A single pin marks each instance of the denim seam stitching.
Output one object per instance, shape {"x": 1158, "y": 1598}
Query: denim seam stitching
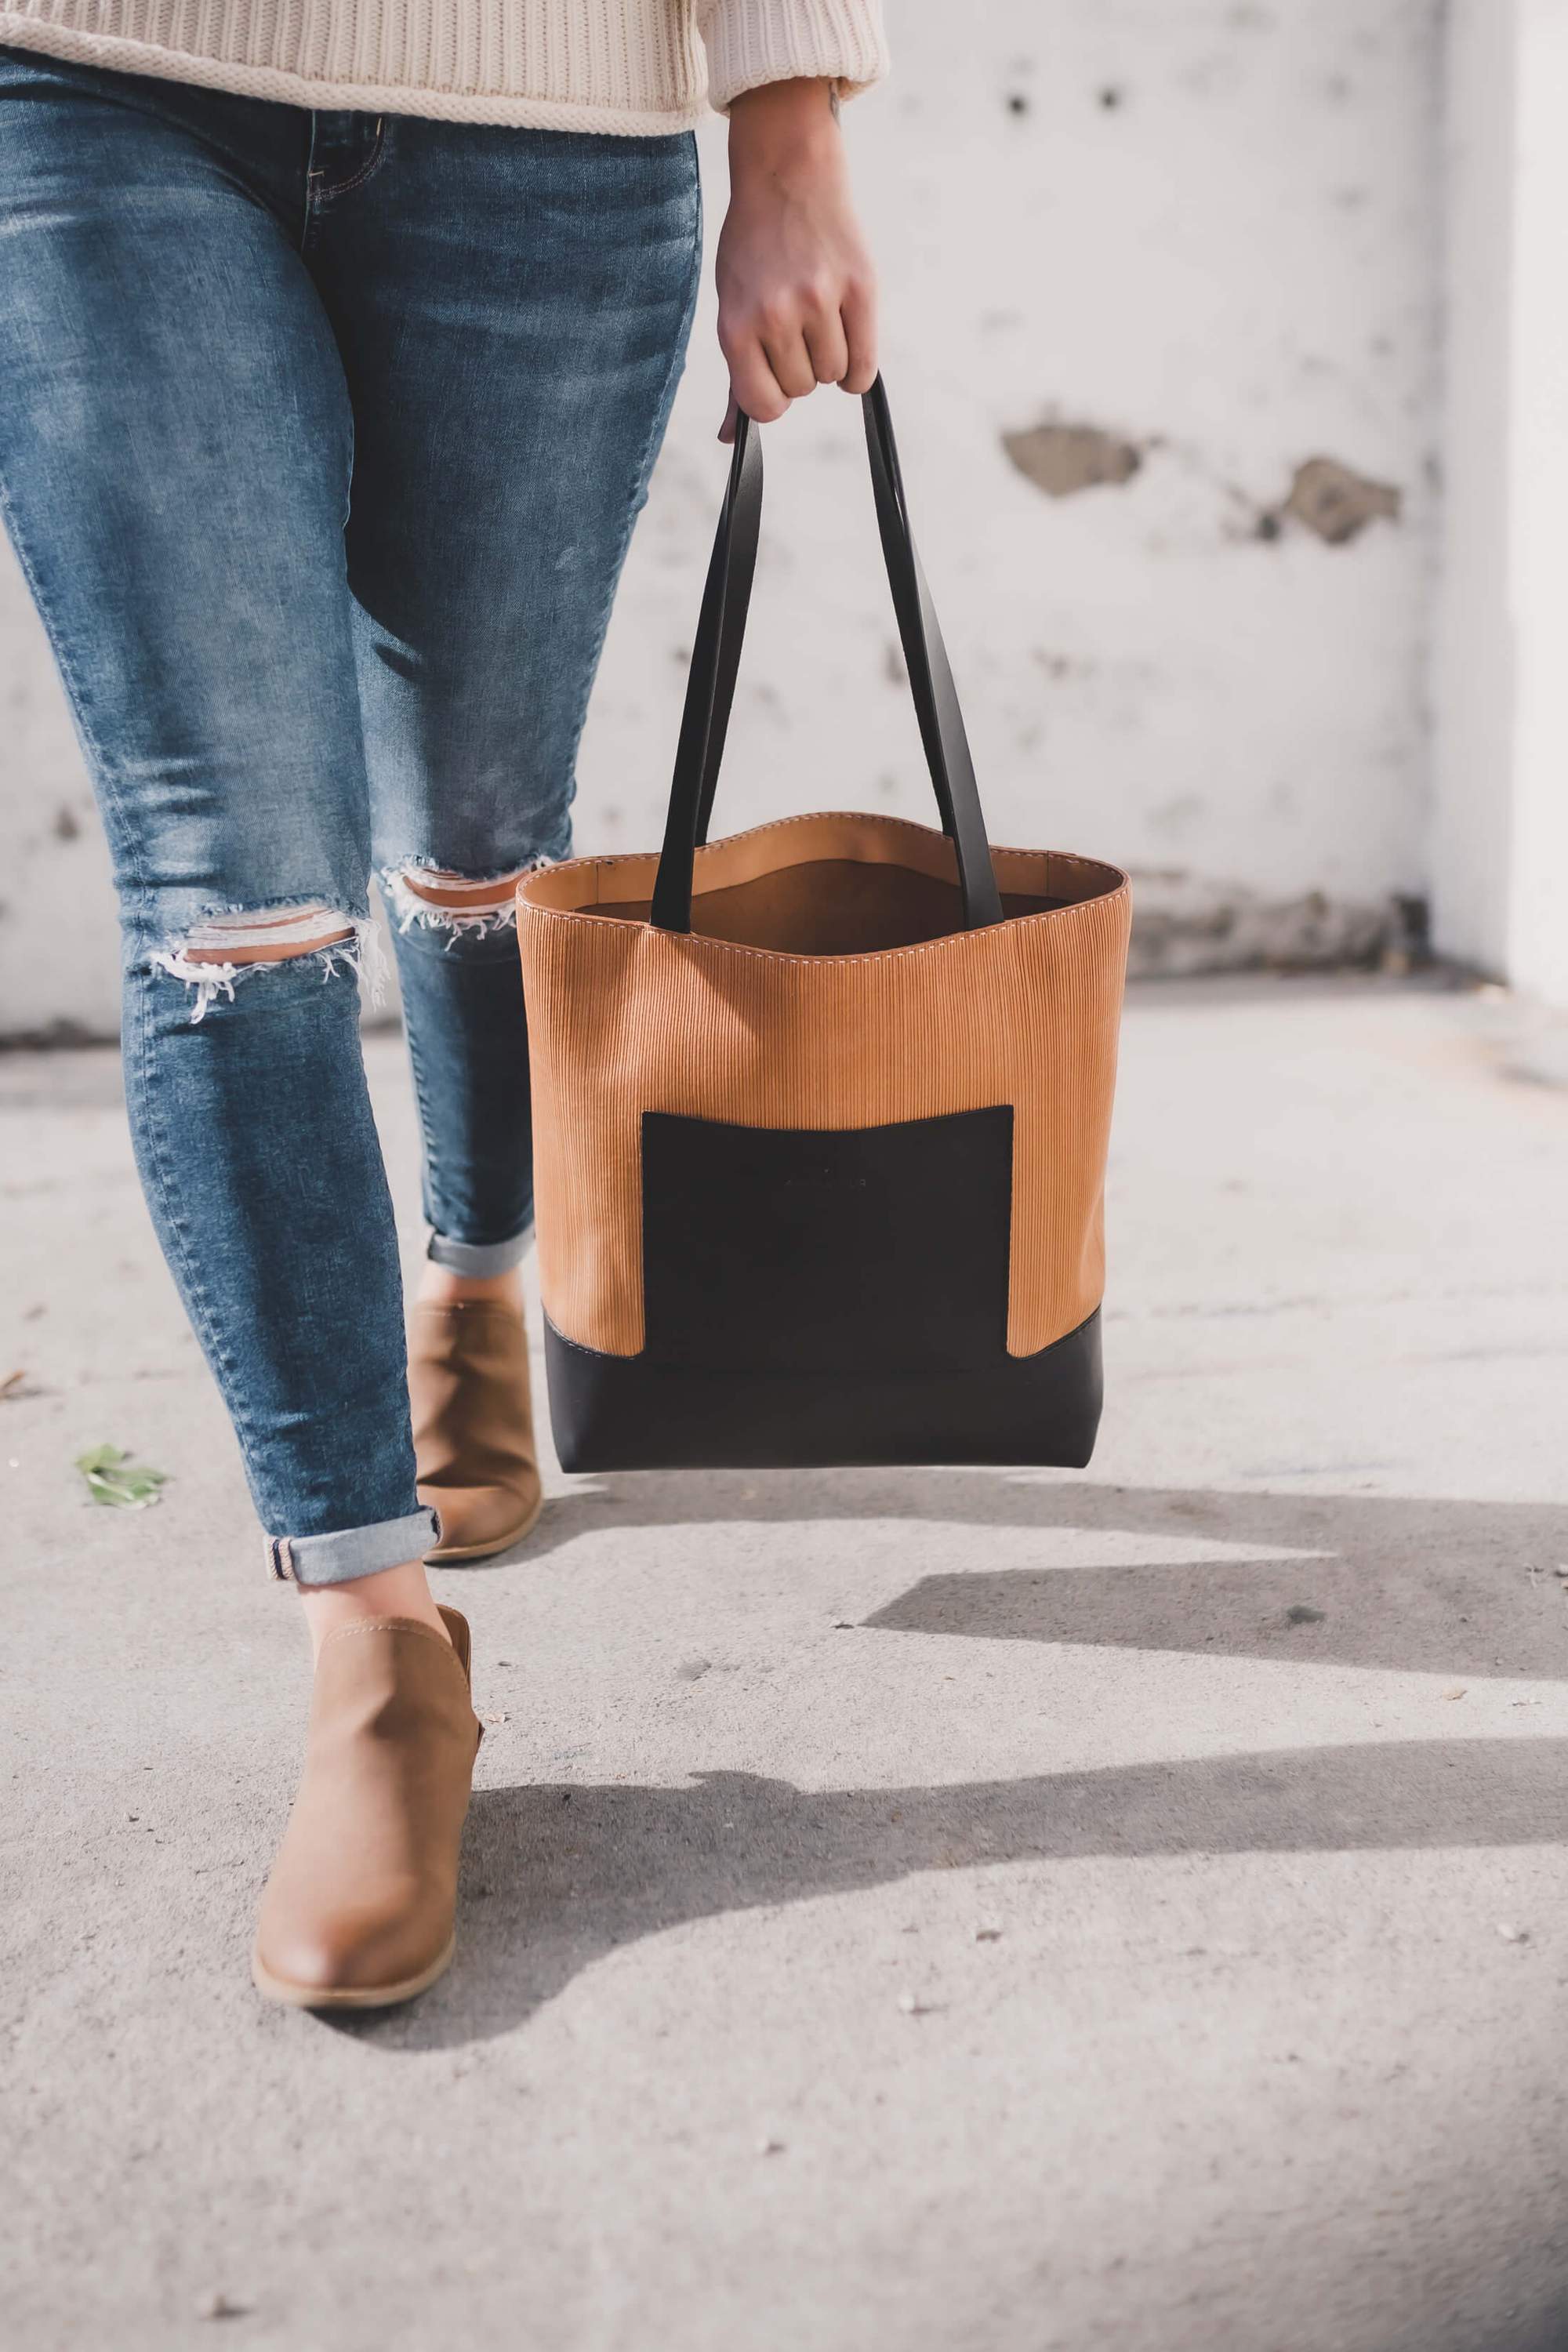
{"x": 430, "y": 1172}
{"x": 307, "y": 209}
{"x": 657, "y": 423}
{"x": 201, "y": 1314}
{"x": 324, "y": 196}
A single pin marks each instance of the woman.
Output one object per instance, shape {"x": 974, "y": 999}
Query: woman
{"x": 337, "y": 344}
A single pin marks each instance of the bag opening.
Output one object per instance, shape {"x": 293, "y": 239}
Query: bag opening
{"x": 827, "y": 886}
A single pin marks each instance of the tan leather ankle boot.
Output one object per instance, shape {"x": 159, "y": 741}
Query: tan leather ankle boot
{"x": 473, "y": 1425}
{"x": 359, "y": 1908}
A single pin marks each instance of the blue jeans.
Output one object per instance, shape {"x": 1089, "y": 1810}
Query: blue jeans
{"x": 322, "y": 439}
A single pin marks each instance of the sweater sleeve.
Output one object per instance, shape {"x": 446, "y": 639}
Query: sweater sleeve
{"x": 750, "y": 42}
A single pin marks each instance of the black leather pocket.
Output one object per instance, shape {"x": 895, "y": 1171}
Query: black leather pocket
{"x": 831, "y": 1250}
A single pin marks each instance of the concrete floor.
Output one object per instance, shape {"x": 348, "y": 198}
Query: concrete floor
{"x": 929, "y": 1911}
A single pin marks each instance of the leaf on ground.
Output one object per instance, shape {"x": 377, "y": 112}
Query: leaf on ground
{"x": 114, "y": 1478}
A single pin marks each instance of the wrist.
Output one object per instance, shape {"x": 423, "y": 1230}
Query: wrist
{"x": 781, "y": 123}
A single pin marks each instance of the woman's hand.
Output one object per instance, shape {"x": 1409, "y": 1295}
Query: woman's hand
{"x": 797, "y": 295}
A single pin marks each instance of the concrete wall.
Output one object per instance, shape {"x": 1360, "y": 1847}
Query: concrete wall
{"x": 1146, "y": 264}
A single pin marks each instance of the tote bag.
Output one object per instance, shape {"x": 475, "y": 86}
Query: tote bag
{"x": 821, "y": 1110}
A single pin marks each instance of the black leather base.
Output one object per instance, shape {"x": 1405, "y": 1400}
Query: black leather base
{"x": 629, "y": 1412}
{"x": 816, "y": 1296}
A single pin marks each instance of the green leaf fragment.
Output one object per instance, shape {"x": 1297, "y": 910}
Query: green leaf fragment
{"x": 114, "y": 1478}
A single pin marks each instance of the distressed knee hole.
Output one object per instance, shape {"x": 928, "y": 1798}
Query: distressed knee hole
{"x": 272, "y": 935}
{"x": 221, "y": 950}
{"x": 436, "y": 898}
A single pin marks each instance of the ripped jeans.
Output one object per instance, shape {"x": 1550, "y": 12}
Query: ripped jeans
{"x": 322, "y": 439}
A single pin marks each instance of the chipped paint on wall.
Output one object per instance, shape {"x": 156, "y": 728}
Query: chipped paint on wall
{"x": 1188, "y": 925}
{"x": 1062, "y": 459}
{"x": 1327, "y": 498}
{"x": 1337, "y": 503}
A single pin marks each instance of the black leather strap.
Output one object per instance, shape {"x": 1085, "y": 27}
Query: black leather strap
{"x": 716, "y": 660}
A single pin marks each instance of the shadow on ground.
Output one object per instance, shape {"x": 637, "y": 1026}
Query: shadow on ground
{"x": 1455, "y": 1588}
{"x": 558, "y": 1876}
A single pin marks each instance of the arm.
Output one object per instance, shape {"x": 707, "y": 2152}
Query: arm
{"x": 797, "y": 294}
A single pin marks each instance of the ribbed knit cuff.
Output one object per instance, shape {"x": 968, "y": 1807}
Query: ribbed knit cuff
{"x": 750, "y": 42}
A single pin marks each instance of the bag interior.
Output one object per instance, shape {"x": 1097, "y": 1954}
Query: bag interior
{"x": 828, "y": 886}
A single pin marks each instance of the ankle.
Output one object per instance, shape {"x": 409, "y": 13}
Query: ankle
{"x": 439, "y": 1286}
{"x": 393, "y": 1592}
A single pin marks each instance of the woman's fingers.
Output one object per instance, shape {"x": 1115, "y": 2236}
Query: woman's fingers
{"x": 858, "y": 315}
{"x": 783, "y": 342}
{"x": 752, "y": 383}
{"x": 827, "y": 346}
{"x": 786, "y": 352}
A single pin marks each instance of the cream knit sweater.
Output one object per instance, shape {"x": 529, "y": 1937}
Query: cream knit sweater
{"x": 627, "y": 66}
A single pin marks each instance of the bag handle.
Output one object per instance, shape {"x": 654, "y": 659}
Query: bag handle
{"x": 716, "y": 660}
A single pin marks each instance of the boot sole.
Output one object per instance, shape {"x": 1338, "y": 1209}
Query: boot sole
{"x": 297, "y": 1996}
{"x": 459, "y": 1552}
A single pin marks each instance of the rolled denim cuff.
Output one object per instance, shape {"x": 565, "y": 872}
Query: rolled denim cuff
{"x": 477, "y": 1259}
{"x": 338, "y": 1557}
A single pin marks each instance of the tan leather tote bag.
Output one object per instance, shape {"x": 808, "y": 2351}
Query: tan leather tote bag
{"x": 821, "y": 1110}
